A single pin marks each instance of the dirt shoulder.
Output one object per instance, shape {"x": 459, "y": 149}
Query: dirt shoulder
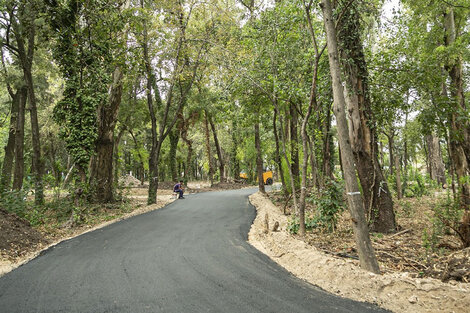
{"x": 398, "y": 292}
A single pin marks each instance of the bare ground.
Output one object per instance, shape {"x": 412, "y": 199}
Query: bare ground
{"x": 399, "y": 291}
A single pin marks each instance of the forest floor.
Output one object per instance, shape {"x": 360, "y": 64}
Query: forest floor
{"x": 413, "y": 279}
{"x": 21, "y": 242}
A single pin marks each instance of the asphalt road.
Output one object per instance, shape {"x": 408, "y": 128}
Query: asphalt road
{"x": 191, "y": 256}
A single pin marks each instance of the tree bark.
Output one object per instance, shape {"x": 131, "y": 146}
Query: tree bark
{"x": 208, "y": 149}
{"x": 434, "y": 155}
{"x": 5, "y": 179}
{"x": 377, "y": 197}
{"x": 398, "y": 177}
{"x": 366, "y": 253}
{"x": 19, "y": 141}
{"x": 101, "y": 177}
{"x": 219, "y": 151}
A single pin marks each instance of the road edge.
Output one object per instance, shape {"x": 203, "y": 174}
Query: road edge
{"x": 397, "y": 292}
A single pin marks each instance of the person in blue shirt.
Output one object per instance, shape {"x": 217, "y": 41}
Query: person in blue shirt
{"x": 178, "y": 188}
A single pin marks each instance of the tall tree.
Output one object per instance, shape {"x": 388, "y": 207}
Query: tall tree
{"x": 363, "y": 137}
{"x": 23, "y": 23}
{"x": 356, "y": 206}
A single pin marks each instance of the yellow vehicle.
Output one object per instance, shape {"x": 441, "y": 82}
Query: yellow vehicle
{"x": 267, "y": 177}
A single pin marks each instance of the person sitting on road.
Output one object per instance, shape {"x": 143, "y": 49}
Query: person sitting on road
{"x": 178, "y": 188}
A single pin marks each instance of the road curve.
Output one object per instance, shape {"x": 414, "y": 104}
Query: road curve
{"x": 191, "y": 256}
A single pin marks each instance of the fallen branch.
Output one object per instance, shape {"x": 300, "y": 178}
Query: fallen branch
{"x": 400, "y": 233}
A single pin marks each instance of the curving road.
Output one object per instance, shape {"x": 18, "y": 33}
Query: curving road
{"x": 191, "y": 256}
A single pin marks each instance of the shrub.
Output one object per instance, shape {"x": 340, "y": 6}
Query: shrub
{"x": 330, "y": 204}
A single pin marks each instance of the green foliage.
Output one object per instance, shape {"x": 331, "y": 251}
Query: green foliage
{"x": 329, "y": 204}
{"x": 293, "y": 225}
{"x": 416, "y": 186}
{"x": 83, "y": 49}
{"x": 15, "y": 202}
{"x": 447, "y": 214}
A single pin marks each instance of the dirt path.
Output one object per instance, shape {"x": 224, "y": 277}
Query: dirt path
{"x": 397, "y": 292}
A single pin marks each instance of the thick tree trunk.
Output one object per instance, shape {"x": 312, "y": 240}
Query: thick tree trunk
{"x": 19, "y": 141}
{"x": 355, "y": 203}
{"x": 259, "y": 159}
{"x": 377, "y": 197}
{"x": 219, "y": 151}
{"x": 5, "y": 179}
{"x": 101, "y": 177}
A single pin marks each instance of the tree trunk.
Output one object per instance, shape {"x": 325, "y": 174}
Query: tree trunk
{"x": 219, "y": 151}
{"x": 174, "y": 138}
{"x": 391, "y": 147}
{"x": 259, "y": 160}
{"x": 398, "y": 177}
{"x": 294, "y": 143}
{"x": 26, "y": 59}
{"x": 277, "y": 153}
{"x": 377, "y": 197}
{"x": 288, "y": 164}
{"x": 208, "y": 149}
{"x": 5, "y": 179}
{"x": 366, "y": 253}
{"x": 458, "y": 124}
{"x": 434, "y": 155}
{"x": 19, "y": 141}
{"x": 101, "y": 177}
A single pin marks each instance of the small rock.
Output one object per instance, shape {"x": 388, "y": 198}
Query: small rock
{"x": 413, "y": 299}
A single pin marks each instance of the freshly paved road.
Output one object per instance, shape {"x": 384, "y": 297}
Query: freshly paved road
{"x": 191, "y": 256}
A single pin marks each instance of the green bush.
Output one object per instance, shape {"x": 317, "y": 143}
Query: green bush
{"x": 447, "y": 216}
{"x": 14, "y": 201}
{"x": 293, "y": 225}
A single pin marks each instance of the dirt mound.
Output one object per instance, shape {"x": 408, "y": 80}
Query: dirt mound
{"x": 399, "y": 291}
{"x": 17, "y": 237}
{"x": 129, "y": 181}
